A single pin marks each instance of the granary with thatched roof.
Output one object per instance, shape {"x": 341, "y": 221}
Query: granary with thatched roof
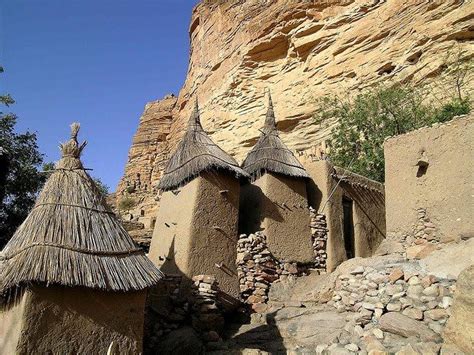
{"x": 196, "y": 228}
{"x": 276, "y": 200}
{"x": 71, "y": 278}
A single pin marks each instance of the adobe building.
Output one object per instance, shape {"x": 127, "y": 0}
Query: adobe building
{"x": 276, "y": 201}
{"x": 354, "y": 207}
{"x": 429, "y": 176}
{"x": 71, "y": 279}
{"x": 196, "y": 227}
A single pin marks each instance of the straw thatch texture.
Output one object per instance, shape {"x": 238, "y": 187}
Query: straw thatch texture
{"x": 270, "y": 154}
{"x": 72, "y": 238}
{"x": 196, "y": 153}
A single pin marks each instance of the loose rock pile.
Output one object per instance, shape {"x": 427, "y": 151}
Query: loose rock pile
{"x": 319, "y": 237}
{"x": 424, "y": 230}
{"x": 257, "y": 268}
{"x": 393, "y": 302}
{"x": 207, "y": 314}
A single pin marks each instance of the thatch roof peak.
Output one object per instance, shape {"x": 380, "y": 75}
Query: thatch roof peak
{"x": 270, "y": 121}
{"x": 196, "y": 153}
{"x": 72, "y": 238}
{"x": 270, "y": 154}
{"x": 71, "y": 150}
{"x": 194, "y": 119}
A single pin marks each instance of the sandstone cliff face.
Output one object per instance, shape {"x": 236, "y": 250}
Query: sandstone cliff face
{"x": 301, "y": 51}
{"x": 147, "y": 158}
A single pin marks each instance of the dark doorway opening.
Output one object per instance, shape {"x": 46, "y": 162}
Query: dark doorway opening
{"x": 348, "y": 221}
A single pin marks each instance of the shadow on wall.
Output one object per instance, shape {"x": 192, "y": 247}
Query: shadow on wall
{"x": 254, "y": 208}
{"x": 159, "y": 306}
{"x": 315, "y": 196}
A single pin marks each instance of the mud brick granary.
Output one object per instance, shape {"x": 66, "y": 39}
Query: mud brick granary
{"x": 196, "y": 227}
{"x": 276, "y": 201}
{"x": 71, "y": 279}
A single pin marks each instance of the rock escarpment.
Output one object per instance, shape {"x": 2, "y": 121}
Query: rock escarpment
{"x": 301, "y": 51}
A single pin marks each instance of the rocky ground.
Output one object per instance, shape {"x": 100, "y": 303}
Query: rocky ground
{"x": 383, "y": 304}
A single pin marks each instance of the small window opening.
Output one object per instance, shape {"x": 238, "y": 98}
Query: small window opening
{"x": 422, "y": 168}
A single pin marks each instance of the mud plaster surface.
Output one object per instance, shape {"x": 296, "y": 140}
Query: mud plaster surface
{"x": 62, "y": 320}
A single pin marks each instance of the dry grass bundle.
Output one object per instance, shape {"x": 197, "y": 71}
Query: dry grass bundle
{"x": 196, "y": 153}
{"x": 72, "y": 238}
{"x": 270, "y": 154}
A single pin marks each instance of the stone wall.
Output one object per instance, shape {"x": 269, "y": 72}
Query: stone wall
{"x": 258, "y": 268}
{"x": 429, "y": 174}
{"x": 319, "y": 236}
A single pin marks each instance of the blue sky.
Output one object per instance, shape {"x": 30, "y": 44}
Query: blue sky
{"x": 93, "y": 61}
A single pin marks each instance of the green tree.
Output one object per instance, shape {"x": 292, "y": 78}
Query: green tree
{"x": 365, "y": 121}
{"x": 20, "y": 178}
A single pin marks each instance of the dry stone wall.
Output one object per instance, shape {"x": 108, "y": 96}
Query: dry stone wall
{"x": 424, "y": 229}
{"x": 319, "y": 236}
{"x": 207, "y": 313}
{"x": 258, "y": 268}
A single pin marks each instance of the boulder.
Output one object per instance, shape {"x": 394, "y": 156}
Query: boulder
{"x": 397, "y": 323}
{"x": 459, "y": 330}
{"x": 308, "y": 328}
{"x": 440, "y": 262}
{"x": 389, "y": 246}
{"x": 420, "y": 251}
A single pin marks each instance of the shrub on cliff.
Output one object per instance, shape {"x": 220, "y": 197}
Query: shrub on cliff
{"x": 364, "y": 121}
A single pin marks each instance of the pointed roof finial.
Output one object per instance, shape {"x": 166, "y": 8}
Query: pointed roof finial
{"x": 72, "y": 148}
{"x": 194, "y": 119}
{"x": 75, "y": 127}
{"x": 270, "y": 122}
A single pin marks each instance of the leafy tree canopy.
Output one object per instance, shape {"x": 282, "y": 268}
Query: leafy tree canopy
{"x": 364, "y": 123}
{"x": 20, "y": 178}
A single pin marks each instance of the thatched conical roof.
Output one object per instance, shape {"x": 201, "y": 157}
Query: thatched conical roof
{"x": 72, "y": 238}
{"x": 270, "y": 154}
{"x": 196, "y": 153}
